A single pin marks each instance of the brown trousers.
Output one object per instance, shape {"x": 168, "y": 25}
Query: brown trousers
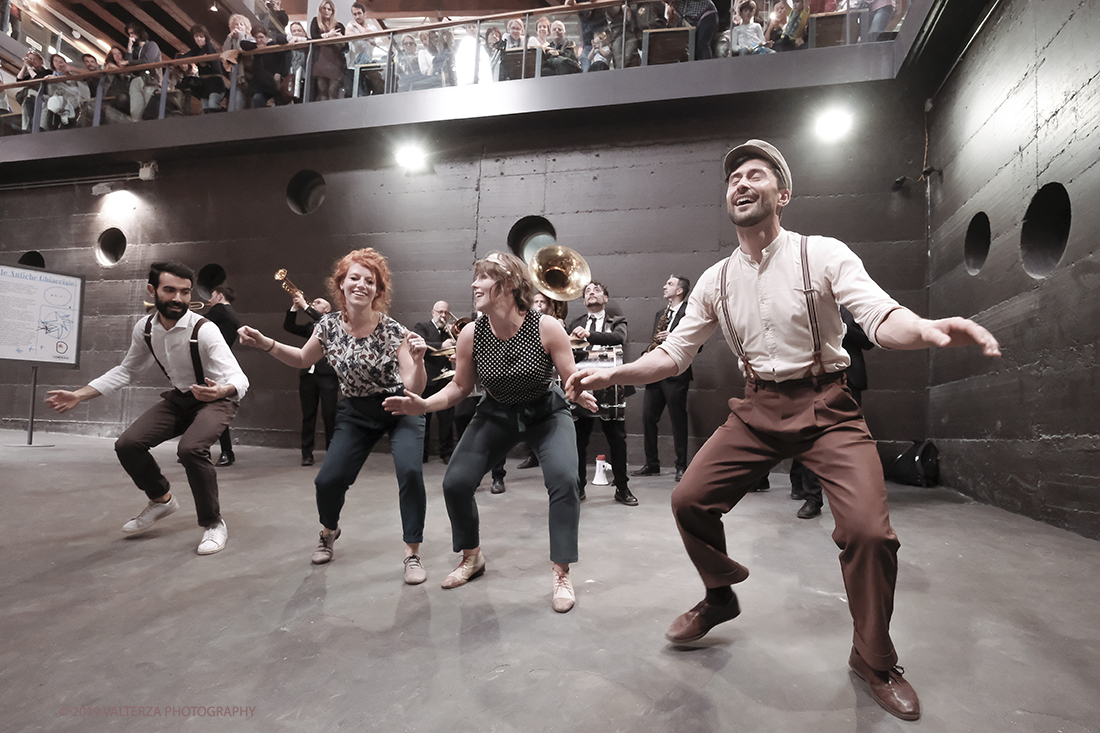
{"x": 198, "y": 425}
{"x": 824, "y": 425}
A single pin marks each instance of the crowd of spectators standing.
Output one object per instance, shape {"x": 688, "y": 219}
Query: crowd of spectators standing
{"x": 610, "y": 38}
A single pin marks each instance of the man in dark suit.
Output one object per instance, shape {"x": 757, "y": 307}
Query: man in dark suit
{"x": 435, "y": 333}
{"x": 804, "y": 483}
{"x": 317, "y": 384}
{"x": 222, "y": 315}
{"x": 600, "y": 328}
{"x": 671, "y": 392}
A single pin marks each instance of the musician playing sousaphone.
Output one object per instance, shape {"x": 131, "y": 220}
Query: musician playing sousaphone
{"x": 605, "y": 335}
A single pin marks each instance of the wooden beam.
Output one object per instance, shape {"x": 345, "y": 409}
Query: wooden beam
{"x": 177, "y": 14}
{"x": 87, "y": 30}
{"x": 106, "y": 15}
{"x": 151, "y": 23}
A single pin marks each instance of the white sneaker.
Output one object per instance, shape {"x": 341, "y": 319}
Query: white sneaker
{"x": 213, "y": 539}
{"x": 154, "y": 512}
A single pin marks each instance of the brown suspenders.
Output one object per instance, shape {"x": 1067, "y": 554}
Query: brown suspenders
{"x": 811, "y": 309}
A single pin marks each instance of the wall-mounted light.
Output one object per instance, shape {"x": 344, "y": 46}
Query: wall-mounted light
{"x": 411, "y": 157}
{"x": 106, "y": 187}
{"x": 834, "y": 124}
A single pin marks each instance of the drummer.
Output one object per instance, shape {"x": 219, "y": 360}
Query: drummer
{"x": 600, "y": 328}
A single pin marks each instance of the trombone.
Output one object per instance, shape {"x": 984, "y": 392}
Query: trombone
{"x": 196, "y": 305}
{"x": 454, "y": 327}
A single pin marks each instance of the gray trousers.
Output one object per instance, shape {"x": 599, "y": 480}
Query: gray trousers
{"x": 547, "y": 428}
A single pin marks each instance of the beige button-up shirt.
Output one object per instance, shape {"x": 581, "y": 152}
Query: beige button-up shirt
{"x": 768, "y": 309}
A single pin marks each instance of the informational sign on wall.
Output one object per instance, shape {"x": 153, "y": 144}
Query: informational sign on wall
{"x": 41, "y": 316}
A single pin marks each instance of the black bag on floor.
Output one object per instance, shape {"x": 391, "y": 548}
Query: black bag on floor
{"x": 152, "y": 109}
{"x": 919, "y": 465}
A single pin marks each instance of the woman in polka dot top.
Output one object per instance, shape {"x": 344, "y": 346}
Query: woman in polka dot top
{"x": 513, "y": 350}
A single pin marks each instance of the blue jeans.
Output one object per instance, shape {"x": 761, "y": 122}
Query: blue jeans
{"x": 360, "y": 423}
{"x": 547, "y": 428}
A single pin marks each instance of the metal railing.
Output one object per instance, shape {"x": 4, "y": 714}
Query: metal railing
{"x": 632, "y": 43}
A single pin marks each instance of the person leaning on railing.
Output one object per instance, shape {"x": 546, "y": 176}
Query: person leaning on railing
{"x": 298, "y": 57}
{"x": 559, "y": 55}
{"x": 793, "y": 36}
{"x": 117, "y": 93}
{"x": 328, "y": 61}
{"x": 209, "y": 85}
{"x": 33, "y": 68}
{"x": 144, "y": 84}
{"x": 494, "y": 46}
{"x": 704, "y": 17}
{"x": 66, "y": 97}
{"x": 265, "y": 81}
{"x": 240, "y": 38}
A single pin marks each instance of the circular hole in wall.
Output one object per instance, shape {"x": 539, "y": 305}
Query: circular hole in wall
{"x": 529, "y": 235}
{"x": 306, "y": 192}
{"x": 33, "y": 259}
{"x": 1045, "y": 230}
{"x": 110, "y": 247}
{"x": 209, "y": 277}
{"x": 976, "y": 248}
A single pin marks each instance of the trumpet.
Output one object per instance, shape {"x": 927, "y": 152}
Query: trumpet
{"x": 288, "y": 286}
{"x": 196, "y": 305}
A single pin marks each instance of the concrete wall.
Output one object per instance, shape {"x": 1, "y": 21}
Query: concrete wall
{"x": 636, "y": 190}
{"x": 1021, "y": 111}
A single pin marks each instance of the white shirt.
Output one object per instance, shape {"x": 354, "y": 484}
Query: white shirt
{"x": 173, "y": 349}
{"x": 600, "y": 317}
{"x": 768, "y": 308}
{"x": 672, "y": 311}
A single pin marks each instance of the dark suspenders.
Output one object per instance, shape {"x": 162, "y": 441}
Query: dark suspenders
{"x": 811, "y": 309}
{"x": 196, "y": 361}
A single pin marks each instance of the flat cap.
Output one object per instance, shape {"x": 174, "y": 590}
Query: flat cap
{"x": 758, "y": 149}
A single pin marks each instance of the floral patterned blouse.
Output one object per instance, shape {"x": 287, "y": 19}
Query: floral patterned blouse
{"x": 365, "y": 366}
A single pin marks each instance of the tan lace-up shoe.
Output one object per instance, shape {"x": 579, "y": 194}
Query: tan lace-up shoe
{"x": 470, "y": 568}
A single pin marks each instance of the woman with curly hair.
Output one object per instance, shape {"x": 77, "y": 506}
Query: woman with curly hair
{"x": 513, "y": 349}
{"x": 374, "y": 357}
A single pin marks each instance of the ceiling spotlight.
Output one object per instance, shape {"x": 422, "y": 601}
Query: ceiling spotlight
{"x": 834, "y": 124}
{"x": 411, "y": 157}
{"x": 213, "y": 7}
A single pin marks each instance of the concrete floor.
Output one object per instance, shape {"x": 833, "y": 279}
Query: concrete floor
{"x": 996, "y": 621}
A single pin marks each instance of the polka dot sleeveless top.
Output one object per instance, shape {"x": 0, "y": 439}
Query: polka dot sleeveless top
{"x": 513, "y": 370}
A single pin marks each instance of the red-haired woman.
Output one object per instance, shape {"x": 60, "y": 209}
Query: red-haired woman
{"x": 513, "y": 349}
{"x": 374, "y": 357}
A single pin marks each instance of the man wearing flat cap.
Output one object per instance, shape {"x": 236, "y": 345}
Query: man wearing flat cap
{"x": 777, "y": 299}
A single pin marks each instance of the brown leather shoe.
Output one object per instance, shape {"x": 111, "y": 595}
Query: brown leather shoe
{"x": 325, "y": 550}
{"x": 695, "y": 624}
{"x": 889, "y": 688}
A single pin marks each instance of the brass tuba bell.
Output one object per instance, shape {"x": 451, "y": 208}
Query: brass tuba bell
{"x": 560, "y": 273}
